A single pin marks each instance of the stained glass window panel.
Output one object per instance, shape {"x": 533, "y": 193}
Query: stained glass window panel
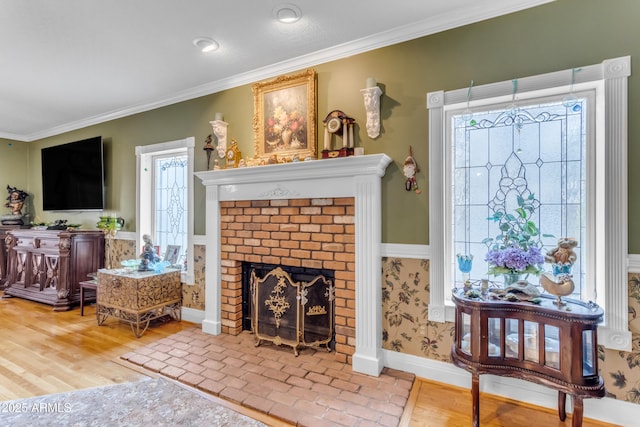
{"x": 171, "y": 202}
{"x": 537, "y": 149}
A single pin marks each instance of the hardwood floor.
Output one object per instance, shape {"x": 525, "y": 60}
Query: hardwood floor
{"x": 434, "y": 404}
{"x": 43, "y": 352}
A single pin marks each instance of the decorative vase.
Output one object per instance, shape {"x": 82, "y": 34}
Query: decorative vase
{"x": 286, "y": 137}
{"x": 511, "y": 278}
{"x": 465, "y": 262}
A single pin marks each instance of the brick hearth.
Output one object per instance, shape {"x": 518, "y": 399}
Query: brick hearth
{"x": 312, "y": 389}
{"x": 312, "y": 233}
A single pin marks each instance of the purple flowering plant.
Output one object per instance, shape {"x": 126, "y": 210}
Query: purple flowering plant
{"x": 515, "y": 260}
{"x": 515, "y": 250}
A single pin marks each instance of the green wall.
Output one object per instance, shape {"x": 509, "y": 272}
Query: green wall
{"x": 556, "y": 36}
{"x": 14, "y": 156}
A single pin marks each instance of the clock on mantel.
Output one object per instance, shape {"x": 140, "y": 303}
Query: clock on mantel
{"x": 336, "y": 123}
{"x": 233, "y": 155}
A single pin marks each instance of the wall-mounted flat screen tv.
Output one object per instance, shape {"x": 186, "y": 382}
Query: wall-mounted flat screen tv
{"x": 73, "y": 176}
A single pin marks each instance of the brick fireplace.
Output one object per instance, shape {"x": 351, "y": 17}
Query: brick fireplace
{"x": 320, "y": 214}
{"x": 310, "y": 233}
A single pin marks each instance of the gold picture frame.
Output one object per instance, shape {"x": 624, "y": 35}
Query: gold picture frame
{"x": 284, "y": 120}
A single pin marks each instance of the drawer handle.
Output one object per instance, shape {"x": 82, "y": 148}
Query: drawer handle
{"x": 116, "y": 283}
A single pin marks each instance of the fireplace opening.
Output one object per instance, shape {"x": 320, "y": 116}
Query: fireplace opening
{"x": 291, "y": 306}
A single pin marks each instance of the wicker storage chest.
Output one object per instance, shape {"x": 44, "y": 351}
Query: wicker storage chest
{"x": 138, "y": 297}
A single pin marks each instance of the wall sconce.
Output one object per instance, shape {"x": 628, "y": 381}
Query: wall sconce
{"x": 372, "y": 105}
{"x": 220, "y": 131}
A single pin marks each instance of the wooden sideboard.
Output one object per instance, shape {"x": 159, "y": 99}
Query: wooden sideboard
{"x": 542, "y": 343}
{"x": 3, "y": 251}
{"x": 47, "y": 265}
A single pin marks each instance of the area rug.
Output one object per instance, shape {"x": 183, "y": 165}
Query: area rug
{"x": 148, "y": 402}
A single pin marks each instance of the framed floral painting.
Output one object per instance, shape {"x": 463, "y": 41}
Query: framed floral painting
{"x": 284, "y": 119}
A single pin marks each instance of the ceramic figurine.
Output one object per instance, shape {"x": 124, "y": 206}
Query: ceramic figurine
{"x": 561, "y": 258}
{"x": 148, "y": 255}
{"x": 563, "y": 253}
{"x": 409, "y": 169}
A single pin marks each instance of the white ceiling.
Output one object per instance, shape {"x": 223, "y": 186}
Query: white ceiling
{"x": 67, "y": 64}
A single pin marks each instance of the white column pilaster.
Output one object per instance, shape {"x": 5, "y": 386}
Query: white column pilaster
{"x": 368, "y": 356}
{"x": 212, "y": 323}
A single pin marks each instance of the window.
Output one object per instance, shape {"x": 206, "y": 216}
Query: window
{"x": 580, "y": 153}
{"x": 534, "y": 150}
{"x": 170, "y": 202}
{"x": 165, "y": 200}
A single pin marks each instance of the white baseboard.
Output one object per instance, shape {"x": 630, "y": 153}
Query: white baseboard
{"x": 427, "y": 368}
{"x": 609, "y": 410}
{"x": 192, "y": 315}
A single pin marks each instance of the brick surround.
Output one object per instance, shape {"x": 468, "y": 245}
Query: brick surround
{"x": 272, "y": 215}
{"x": 313, "y": 233}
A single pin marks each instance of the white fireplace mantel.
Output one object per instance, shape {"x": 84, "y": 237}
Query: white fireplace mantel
{"x": 358, "y": 177}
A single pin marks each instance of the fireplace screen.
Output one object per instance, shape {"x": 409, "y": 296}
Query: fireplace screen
{"x": 297, "y": 314}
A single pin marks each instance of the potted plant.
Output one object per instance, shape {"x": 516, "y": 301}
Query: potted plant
{"x": 515, "y": 252}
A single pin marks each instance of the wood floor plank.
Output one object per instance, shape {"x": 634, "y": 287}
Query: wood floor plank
{"x": 45, "y": 352}
{"x": 440, "y": 405}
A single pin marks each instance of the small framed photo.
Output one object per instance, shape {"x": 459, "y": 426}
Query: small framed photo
{"x": 172, "y": 254}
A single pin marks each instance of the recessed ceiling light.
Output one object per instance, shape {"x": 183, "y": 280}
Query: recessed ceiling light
{"x": 287, "y": 13}
{"x": 205, "y": 44}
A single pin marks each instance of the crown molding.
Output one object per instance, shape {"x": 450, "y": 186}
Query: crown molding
{"x": 432, "y": 25}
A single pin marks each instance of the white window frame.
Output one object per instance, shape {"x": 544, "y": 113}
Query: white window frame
{"x": 145, "y": 190}
{"x": 611, "y": 233}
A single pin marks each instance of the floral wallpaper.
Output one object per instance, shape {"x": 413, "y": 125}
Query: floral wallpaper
{"x": 620, "y": 369}
{"x": 121, "y": 250}
{"x": 406, "y": 328}
{"x": 405, "y": 301}
{"x": 192, "y": 294}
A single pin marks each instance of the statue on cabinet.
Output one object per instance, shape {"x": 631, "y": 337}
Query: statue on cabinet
{"x": 15, "y": 202}
{"x": 149, "y": 255}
